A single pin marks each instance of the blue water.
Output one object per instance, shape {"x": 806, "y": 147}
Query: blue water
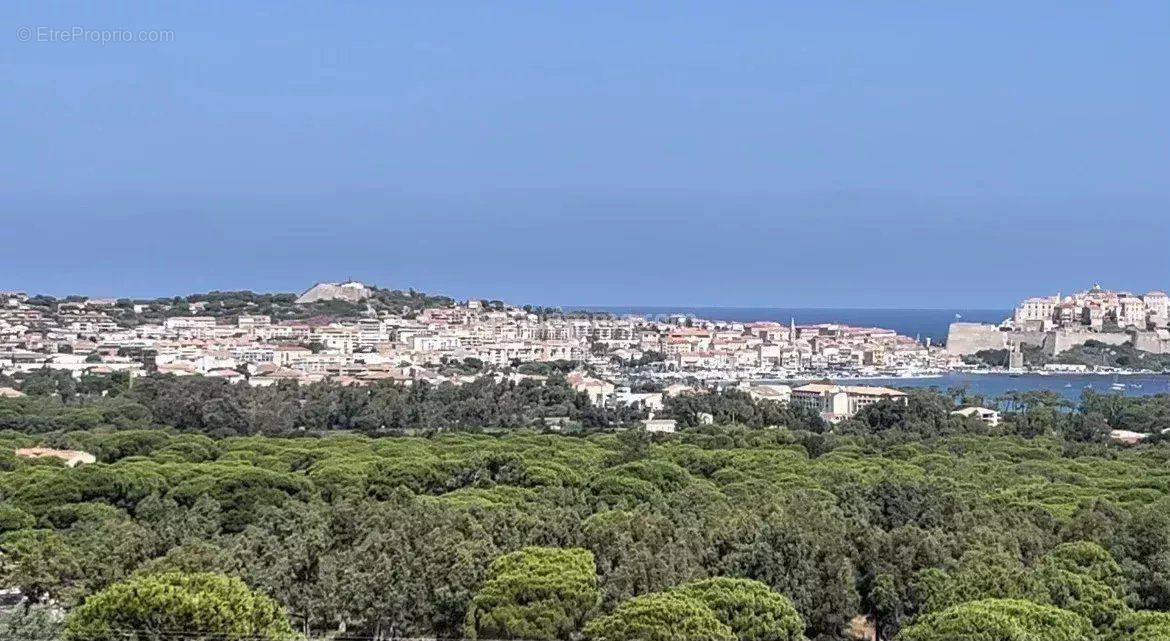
{"x": 1070, "y": 386}
{"x": 924, "y": 323}
{"x": 932, "y": 323}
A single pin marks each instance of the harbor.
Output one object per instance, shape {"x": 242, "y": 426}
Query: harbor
{"x": 1070, "y": 386}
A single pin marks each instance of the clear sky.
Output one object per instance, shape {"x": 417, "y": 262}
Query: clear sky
{"x": 893, "y": 154}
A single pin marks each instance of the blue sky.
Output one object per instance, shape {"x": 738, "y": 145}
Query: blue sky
{"x": 893, "y": 154}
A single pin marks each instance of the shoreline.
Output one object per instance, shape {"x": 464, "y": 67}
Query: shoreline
{"x": 1004, "y": 372}
{"x": 912, "y": 376}
{"x": 995, "y": 384}
{"x": 837, "y": 376}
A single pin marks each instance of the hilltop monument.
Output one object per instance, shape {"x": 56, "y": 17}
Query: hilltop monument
{"x": 351, "y": 290}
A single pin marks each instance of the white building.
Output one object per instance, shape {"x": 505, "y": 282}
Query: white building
{"x": 339, "y": 339}
{"x": 1158, "y": 308}
{"x": 596, "y": 389}
{"x": 1131, "y": 311}
{"x": 838, "y": 402}
{"x": 989, "y": 416}
{"x": 664, "y": 425}
{"x": 250, "y": 322}
{"x": 431, "y": 343}
{"x": 1036, "y": 312}
{"x": 372, "y": 332}
{"x": 648, "y": 400}
{"x": 778, "y": 393}
{"x": 177, "y": 323}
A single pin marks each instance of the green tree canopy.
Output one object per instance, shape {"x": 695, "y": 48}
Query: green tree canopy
{"x": 660, "y": 617}
{"x": 1142, "y": 626}
{"x": 14, "y": 518}
{"x": 1087, "y": 558}
{"x": 163, "y": 605}
{"x": 978, "y": 574}
{"x": 752, "y": 610}
{"x": 535, "y": 593}
{"x": 1000, "y": 620}
{"x": 1084, "y": 578}
{"x": 36, "y": 623}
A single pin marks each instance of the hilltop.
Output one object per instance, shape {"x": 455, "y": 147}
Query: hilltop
{"x": 351, "y": 291}
{"x": 336, "y": 300}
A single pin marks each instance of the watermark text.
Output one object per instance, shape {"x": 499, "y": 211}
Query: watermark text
{"x": 93, "y": 36}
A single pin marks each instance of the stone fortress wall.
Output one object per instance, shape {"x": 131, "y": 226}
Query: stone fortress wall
{"x": 969, "y": 338}
{"x": 1061, "y": 340}
{"x": 1060, "y": 323}
{"x": 1155, "y": 342}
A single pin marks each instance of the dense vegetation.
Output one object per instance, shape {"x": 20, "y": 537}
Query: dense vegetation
{"x": 228, "y": 305}
{"x": 57, "y": 402}
{"x": 164, "y": 605}
{"x": 923, "y": 523}
{"x": 907, "y": 520}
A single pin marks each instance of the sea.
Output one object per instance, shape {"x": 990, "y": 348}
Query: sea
{"x": 1070, "y": 386}
{"x": 920, "y": 323}
{"x": 923, "y": 324}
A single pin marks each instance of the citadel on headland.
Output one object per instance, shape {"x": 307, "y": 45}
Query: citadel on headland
{"x": 1056, "y": 324}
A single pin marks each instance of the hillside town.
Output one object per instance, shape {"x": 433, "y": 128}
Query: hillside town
{"x": 361, "y": 339}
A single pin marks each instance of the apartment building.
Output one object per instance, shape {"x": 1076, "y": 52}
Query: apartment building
{"x": 839, "y": 402}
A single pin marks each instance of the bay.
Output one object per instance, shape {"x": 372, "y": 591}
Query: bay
{"x": 920, "y": 323}
{"x": 1071, "y": 386}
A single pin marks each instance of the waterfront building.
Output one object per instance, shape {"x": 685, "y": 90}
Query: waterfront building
{"x": 778, "y": 393}
{"x": 839, "y": 402}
